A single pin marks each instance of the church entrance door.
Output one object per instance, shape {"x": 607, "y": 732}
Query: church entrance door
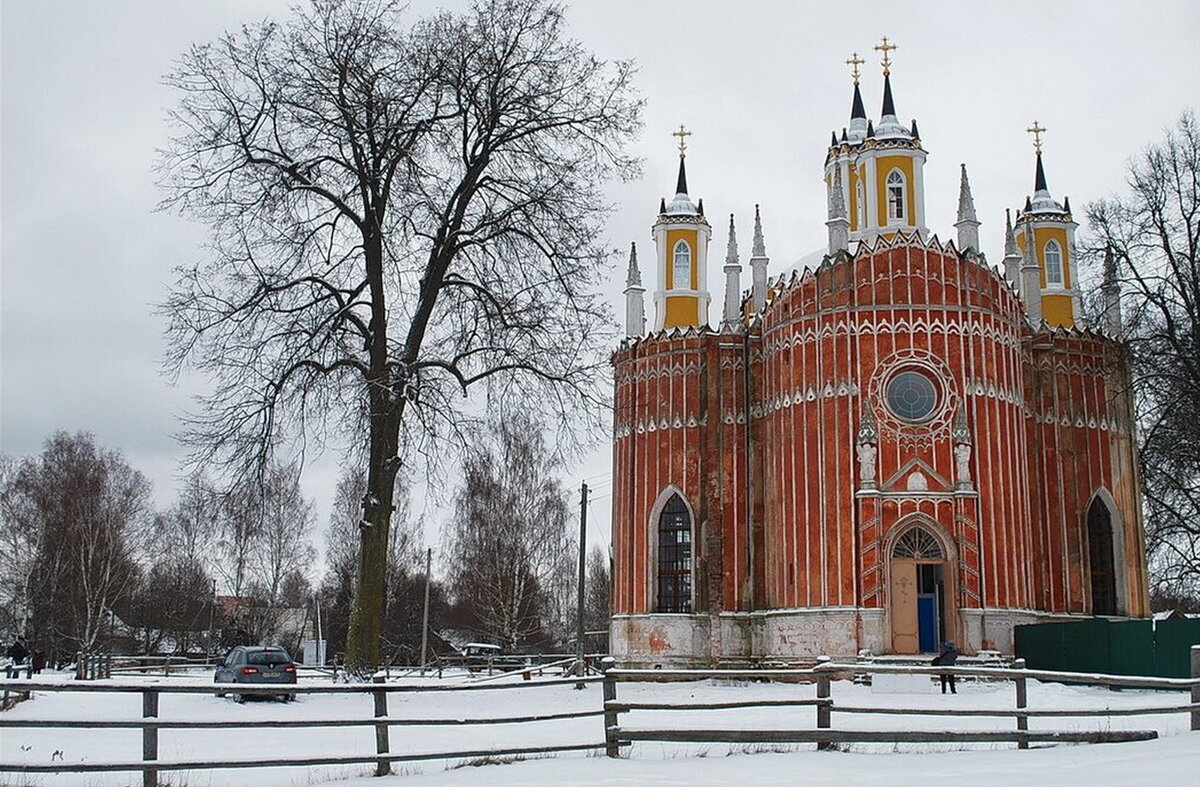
{"x": 918, "y": 597}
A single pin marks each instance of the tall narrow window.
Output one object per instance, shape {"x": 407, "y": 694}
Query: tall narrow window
{"x": 682, "y": 278}
{"x": 1100, "y": 559}
{"x": 1054, "y": 270}
{"x": 674, "y": 557}
{"x": 895, "y": 196}
{"x": 860, "y": 208}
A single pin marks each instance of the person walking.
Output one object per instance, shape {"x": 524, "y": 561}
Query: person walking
{"x": 17, "y": 651}
{"x": 16, "y": 654}
{"x": 946, "y": 658}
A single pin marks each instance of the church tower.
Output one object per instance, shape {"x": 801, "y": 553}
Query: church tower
{"x": 880, "y": 168}
{"x": 1047, "y": 227}
{"x": 681, "y": 236}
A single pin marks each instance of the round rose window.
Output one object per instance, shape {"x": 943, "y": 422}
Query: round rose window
{"x": 912, "y": 396}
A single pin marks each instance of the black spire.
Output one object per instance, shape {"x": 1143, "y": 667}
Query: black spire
{"x": 857, "y": 111}
{"x": 889, "y": 107}
{"x": 1067, "y": 204}
{"x": 1039, "y": 179}
{"x": 681, "y": 183}
{"x": 844, "y": 134}
{"x": 1028, "y": 205}
{"x": 915, "y": 134}
{"x": 662, "y": 205}
{"x": 833, "y": 139}
{"x": 870, "y": 129}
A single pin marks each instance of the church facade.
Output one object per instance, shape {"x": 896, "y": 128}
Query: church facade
{"x": 903, "y": 446}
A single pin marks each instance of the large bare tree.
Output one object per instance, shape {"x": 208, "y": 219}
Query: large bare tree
{"x": 400, "y": 213}
{"x": 1151, "y": 236}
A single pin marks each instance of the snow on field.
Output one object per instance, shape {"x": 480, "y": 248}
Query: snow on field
{"x": 1173, "y": 759}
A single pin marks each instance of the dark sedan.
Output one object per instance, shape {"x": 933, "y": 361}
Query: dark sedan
{"x": 257, "y": 665}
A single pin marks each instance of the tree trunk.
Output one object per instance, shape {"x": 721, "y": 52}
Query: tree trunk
{"x": 387, "y": 409}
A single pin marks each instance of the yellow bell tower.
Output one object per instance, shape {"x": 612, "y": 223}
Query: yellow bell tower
{"x": 1045, "y": 234}
{"x": 879, "y": 170}
{"x": 681, "y": 236}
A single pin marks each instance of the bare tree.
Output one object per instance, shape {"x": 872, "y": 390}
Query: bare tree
{"x": 1152, "y": 236}
{"x": 401, "y": 213}
{"x": 190, "y": 529}
{"x": 510, "y": 551}
{"x": 19, "y": 541}
{"x": 283, "y": 547}
{"x": 91, "y": 513}
{"x": 597, "y": 603}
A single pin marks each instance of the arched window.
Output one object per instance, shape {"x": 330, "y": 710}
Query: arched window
{"x": 674, "y": 557}
{"x": 682, "y": 279}
{"x": 918, "y": 544}
{"x": 860, "y": 210}
{"x": 895, "y": 196}
{"x": 1054, "y": 270}
{"x": 1100, "y": 559}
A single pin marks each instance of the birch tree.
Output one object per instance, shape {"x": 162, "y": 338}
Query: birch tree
{"x": 92, "y": 514}
{"x": 511, "y": 556}
{"x": 403, "y": 214}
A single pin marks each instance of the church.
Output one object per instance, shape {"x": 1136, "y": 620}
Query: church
{"x": 902, "y": 446}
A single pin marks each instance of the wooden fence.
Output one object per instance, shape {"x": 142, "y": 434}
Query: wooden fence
{"x": 823, "y": 678}
{"x": 380, "y": 722}
{"x": 825, "y": 736}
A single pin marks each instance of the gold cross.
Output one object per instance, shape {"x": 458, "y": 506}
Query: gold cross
{"x": 682, "y": 133}
{"x": 1037, "y": 132}
{"x": 854, "y": 62}
{"x": 885, "y": 47}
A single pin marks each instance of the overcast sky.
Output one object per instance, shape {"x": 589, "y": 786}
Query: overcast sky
{"x": 85, "y": 257}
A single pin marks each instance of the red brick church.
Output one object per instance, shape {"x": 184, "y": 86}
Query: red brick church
{"x": 903, "y": 446}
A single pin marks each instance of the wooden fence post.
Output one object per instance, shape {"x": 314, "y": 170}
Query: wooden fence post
{"x": 149, "y": 737}
{"x": 1196, "y": 688}
{"x": 1022, "y": 703}
{"x": 611, "y": 745}
{"x": 824, "y": 690}
{"x": 384, "y": 767}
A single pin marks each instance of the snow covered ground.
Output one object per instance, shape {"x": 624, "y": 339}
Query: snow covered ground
{"x": 1173, "y": 759}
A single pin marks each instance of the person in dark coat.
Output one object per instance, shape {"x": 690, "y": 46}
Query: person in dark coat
{"x": 37, "y": 660}
{"x": 17, "y": 652}
{"x": 946, "y": 658}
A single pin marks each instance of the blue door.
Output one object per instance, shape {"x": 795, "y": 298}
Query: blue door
{"x": 927, "y": 622}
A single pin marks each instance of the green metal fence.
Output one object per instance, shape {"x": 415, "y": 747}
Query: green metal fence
{"x": 1113, "y": 647}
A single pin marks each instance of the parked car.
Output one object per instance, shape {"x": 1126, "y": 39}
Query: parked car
{"x": 257, "y": 665}
{"x": 479, "y": 656}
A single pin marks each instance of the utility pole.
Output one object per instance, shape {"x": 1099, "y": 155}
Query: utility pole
{"x": 212, "y": 611}
{"x": 425, "y": 614}
{"x": 579, "y": 665}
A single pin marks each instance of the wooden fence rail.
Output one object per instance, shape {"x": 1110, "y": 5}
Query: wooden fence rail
{"x": 822, "y": 676}
{"x": 381, "y": 721}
